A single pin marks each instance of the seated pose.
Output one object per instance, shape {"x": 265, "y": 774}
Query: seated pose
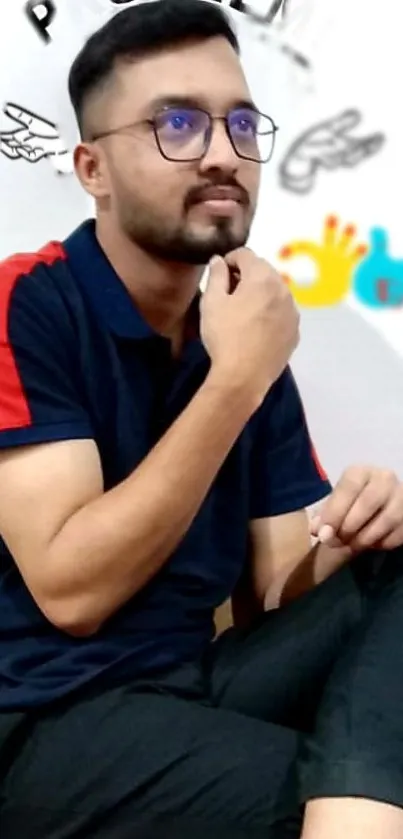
{"x": 155, "y": 462}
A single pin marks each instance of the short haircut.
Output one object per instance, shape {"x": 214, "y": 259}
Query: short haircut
{"x": 139, "y": 31}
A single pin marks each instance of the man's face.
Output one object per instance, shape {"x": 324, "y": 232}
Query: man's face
{"x": 162, "y": 205}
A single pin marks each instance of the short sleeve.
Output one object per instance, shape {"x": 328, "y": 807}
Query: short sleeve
{"x": 286, "y": 474}
{"x": 40, "y": 397}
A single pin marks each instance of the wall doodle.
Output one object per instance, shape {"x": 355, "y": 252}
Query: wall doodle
{"x": 378, "y": 280}
{"x": 34, "y": 138}
{"x": 40, "y": 14}
{"x": 335, "y": 258}
{"x": 254, "y": 9}
{"x": 327, "y": 145}
{"x": 343, "y": 267}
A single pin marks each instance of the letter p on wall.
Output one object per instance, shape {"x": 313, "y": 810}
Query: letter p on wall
{"x": 40, "y": 14}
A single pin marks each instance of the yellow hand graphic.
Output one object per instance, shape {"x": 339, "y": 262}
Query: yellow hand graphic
{"x": 335, "y": 258}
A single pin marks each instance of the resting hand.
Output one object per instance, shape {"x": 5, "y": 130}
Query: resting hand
{"x": 365, "y": 510}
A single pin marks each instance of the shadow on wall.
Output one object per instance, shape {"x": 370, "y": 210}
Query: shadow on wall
{"x": 350, "y": 381}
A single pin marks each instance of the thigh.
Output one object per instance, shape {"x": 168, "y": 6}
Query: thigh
{"x": 127, "y": 764}
{"x": 356, "y": 748}
{"x": 277, "y": 670}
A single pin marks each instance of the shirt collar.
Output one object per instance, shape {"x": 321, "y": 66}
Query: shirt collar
{"x": 112, "y": 301}
{"x": 106, "y": 290}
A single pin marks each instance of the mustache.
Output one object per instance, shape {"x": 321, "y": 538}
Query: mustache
{"x": 198, "y": 193}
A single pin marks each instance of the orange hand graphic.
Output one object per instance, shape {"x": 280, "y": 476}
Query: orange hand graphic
{"x": 335, "y": 258}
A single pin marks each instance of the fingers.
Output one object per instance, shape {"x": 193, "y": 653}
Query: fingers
{"x": 16, "y": 113}
{"x": 361, "y": 148}
{"x": 393, "y": 540}
{"x": 348, "y": 234}
{"x": 8, "y": 150}
{"x": 370, "y": 506}
{"x": 300, "y": 247}
{"x": 341, "y": 501}
{"x": 251, "y": 269}
{"x": 330, "y": 231}
{"x": 37, "y": 125}
{"x": 347, "y": 245}
{"x": 374, "y": 143}
{"x": 359, "y": 252}
{"x": 379, "y": 244}
{"x": 246, "y": 263}
{"x": 346, "y": 121}
{"x": 9, "y": 135}
{"x": 385, "y": 529}
{"x": 32, "y": 155}
{"x": 364, "y": 510}
{"x": 354, "y": 154}
{"x": 334, "y": 238}
{"x": 218, "y": 282}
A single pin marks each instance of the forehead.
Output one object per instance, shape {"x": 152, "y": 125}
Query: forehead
{"x": 208, "y": 71}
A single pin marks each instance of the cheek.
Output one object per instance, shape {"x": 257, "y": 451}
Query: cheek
{"x": 249, "y": 176}
{"x": 168, "y": 186}
{"x": 254, "y": 187}
{"x": 162, "y": 177}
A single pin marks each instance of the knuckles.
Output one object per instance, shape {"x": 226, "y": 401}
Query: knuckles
{"x": 357, "y": 476}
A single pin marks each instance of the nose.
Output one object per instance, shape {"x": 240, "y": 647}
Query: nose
{"x": 220, "y": 154}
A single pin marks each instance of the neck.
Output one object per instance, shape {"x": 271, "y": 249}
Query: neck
{"x": 161, "y": 291}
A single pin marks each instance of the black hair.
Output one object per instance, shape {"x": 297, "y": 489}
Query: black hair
{"x": 141, "y": 30}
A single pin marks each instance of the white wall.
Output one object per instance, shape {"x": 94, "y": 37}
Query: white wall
{"x": 350, "y": 361}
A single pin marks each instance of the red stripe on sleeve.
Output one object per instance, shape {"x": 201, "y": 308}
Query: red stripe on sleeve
{"x": 14, "y": 409}
{"x": 321, "y": 471}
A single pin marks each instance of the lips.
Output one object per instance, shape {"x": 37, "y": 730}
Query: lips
{"x": 221, "y": 193}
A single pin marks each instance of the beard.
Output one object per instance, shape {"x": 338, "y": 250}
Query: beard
{"x": 185, "y": 243}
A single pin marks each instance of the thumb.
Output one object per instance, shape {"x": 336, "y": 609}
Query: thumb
{"x": 218, "y": 281}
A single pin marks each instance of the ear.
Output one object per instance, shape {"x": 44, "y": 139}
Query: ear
{"x": 91, "y": 169}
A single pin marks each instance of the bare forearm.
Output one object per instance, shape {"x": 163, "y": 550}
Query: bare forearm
{"x": 111, "y": 548}
{"x": 319, "y": 564}
{"x": 295, "y": 578}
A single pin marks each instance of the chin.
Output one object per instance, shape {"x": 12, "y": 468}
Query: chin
{"x": 202, "y": 253}
{"x": 219, "y": 242}
{"x": 195, "y": 245}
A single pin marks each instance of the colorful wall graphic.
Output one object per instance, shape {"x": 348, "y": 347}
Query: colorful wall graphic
{"x": 342, "y": 266}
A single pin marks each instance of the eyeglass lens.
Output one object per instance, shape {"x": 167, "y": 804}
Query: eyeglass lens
{"x": 184, "y": 133}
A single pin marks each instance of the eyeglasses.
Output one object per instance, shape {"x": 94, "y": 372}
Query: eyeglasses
{"x": 184, "y": 133}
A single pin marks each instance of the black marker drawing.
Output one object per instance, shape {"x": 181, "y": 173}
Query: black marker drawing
{"x": 239, "y": 6}
{"x": 276, "y": 7}
{"x": 40, "y": 14}
{"x": 327, "y": 145}
{"x": 34, "y": 138}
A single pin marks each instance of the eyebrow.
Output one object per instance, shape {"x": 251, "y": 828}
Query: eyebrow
{"x": 162, "y": 102}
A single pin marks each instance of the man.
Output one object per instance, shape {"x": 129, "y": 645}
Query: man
{"x": 156, "y": 460}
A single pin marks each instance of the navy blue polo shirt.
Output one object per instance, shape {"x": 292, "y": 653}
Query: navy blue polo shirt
{"x": 77, "y": 360}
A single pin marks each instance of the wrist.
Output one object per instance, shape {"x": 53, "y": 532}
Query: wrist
{"x": 236, "y": 395}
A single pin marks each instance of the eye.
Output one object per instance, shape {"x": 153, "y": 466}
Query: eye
{"x": 244, "y": 122}
{"x": 177, "y": 121}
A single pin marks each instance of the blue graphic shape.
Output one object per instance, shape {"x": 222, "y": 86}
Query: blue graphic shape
{"x": 378, "y": 279}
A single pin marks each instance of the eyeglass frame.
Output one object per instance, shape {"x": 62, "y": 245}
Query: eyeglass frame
{"x": 212, "y": 118}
